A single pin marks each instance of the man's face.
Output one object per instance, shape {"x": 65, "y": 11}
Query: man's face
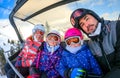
{"x": 88, "y": 23}
{"x": 39, "y": 35}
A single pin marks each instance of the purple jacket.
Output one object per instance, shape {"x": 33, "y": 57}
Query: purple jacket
{"x": 47, "y": 62}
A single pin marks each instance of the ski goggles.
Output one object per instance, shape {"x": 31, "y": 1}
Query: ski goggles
{"x": 77, "y": 14}
{"x": 73, "y": 40}
{"x": 39, "y": 32}
{"x": 53, "y": 37}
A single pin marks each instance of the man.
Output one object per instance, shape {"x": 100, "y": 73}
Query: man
{"x": 28, "y": 53}
{"x": 105, "y": 39}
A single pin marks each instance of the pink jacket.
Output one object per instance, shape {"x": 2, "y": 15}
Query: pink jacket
{"x": 28, "y": 53}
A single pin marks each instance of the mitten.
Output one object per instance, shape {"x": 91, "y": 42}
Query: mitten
{"x": 18, "y": 62}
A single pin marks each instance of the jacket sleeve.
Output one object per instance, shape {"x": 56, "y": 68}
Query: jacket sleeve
{"x": 36, "y": 61}
{"x": 115, "y": 71}
{"x": 19, "y": 60}
{"x": 61, "y": 68}
{"x": 24, "y": 49}
{"x": 117, "y": 57}
{"x": 94, "y": 65}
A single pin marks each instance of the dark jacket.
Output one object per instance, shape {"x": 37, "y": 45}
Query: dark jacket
{"x": 106, "y": 48}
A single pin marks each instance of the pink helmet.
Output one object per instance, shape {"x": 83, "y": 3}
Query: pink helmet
{"x": 73, "y": 32}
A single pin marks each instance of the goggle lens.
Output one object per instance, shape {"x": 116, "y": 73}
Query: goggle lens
{"x": 55, "y": 37}
{"x": 73, "y": 40}
{"x": 39, "y": 32}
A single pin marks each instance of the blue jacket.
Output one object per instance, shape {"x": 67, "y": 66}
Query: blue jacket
{"x": 82, "y": 59}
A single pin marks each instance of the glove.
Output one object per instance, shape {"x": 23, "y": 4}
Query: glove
{"x": 77, "y": 73}
{"x": 18, "y": 62}
{"x": 34, "y": 72}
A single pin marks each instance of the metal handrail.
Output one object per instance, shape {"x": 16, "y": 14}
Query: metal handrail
{"x": 12, "y": 66}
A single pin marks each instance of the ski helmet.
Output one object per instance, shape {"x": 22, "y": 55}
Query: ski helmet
{"x": 78, "y": 14}
{"x": 38, "y": 27}
{"x": 73, "y": 32}
{"x": 54, "y": 32}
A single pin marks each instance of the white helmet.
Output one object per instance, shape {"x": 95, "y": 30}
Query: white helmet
{"x": 54, "y": 32}
{"x": 38, "y": 27}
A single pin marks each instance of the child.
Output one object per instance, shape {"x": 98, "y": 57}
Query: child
{"x": 47, "y": 59}
{"x": 30, "y": 50}
{"x": 77, "y": 60}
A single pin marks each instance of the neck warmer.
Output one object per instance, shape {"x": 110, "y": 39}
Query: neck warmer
{"x": 35, "y": 39}
{"x": 73, "y": 50}
{"x": 97, "y": 31}
{"x": 52, "y": 49}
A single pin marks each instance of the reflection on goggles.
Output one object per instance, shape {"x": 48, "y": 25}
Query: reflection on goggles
{"x": 39, "y": 32}
{"x": 55, "y": 37}
{"x": 71, "y": 40}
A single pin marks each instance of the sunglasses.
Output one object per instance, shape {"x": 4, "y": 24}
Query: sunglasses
{"x": 73, "y": 40}
{"x": 52, "y": 36}
{"x": 77, "y": 14}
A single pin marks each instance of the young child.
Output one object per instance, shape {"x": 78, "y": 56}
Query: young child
{"x": 47, "y": 59}
{"x": 30, "y": 50}
{"x": 77, "y": 60}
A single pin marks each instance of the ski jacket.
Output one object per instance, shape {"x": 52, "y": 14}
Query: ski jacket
{"x": 109, "y": 39}
{"x": 47, "y": 62}
{"x": 82, "y": 59}
{"x": 28, "y": 53}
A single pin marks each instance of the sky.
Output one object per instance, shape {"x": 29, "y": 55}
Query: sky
{"x": 102, "y": 7}
{"x": 109, "y": 9}
{"x": 6, "y": 29}
{"x": 5, "y": 8}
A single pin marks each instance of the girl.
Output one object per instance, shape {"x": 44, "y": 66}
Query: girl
{"x": 77, "y": 60}
{"x": 47, "y": 59}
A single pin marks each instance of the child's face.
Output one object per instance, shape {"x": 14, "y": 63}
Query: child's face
{"x": 39, "y": 35}
{"x": 53, "y": 39}
{"x": 74, "y": 41}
